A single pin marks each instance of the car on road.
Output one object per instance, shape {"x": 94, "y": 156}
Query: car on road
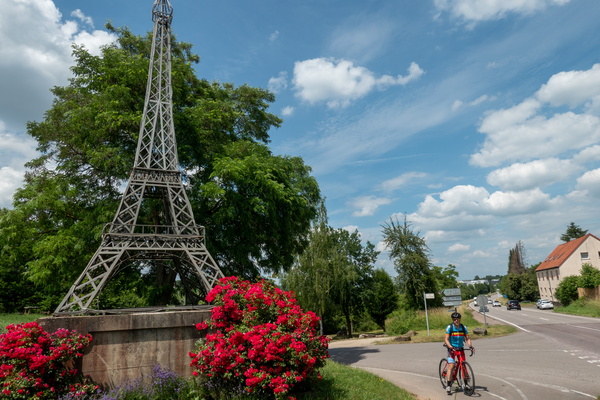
{"x": 513, "y": 305}
{"x": 545, "y": 305}
{"x": 496, "y": 303}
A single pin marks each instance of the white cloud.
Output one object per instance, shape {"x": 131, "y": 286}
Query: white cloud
{"x": 517, "y": 134}
{"x": 279, "y": 83}
{"x": 534, "y": 174}
{"x": 590, "y": 183}
{"x": 458, "y": 247}
{"x": 482, "y": 10}
{"x": 83, "y": 18}
{"x": 367, "y": 205}
{"x": 287, "y": 111}
{"x": 36, "y": 55}
{"x": 338, "y": 82}
{"x": 571, "y": 87}
{"x": 15, "y": 151}
{"x": 467, "y": 207}
{"x": 396, "y": 183}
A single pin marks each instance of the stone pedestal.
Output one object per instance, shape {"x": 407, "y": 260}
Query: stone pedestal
{"x": 126, "y": 347}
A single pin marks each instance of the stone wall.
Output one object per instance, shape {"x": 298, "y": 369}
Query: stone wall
{"x": 593, "y": 293}
{"x": 126, "y": 347}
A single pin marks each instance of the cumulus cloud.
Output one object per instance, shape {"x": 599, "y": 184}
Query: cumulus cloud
{"x": 571, "y": 87}
{"x": 589, "y": 183}
{"x": 533, "y": 136}
{"x": 482, "y": 10}
{"x": 534, "y": 174}
{"x": 35, "y": 55}
{"x": 469, "y": 207}
{"x": 396, "y": 183}
{"x": 367, "y": 205}
{"x": 338, "y": 82}
{"x": 39, "y": 59}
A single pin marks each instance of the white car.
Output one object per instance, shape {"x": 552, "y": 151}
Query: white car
{"x": 496, "y": 303}
{"x": 545, "y": 305}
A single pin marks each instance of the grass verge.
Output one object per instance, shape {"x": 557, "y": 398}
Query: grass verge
{"x": 7, "y": 319}
{"x": 341, "y": 382}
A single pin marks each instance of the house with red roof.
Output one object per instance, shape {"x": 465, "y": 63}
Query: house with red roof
{"x": 566, "y": 260}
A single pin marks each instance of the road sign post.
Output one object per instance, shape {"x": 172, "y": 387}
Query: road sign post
{"x": 452, "y": 297}
{"x": 425, "y": 297}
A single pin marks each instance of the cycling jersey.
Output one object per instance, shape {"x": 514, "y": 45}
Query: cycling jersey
{"x": 457, "y": 335}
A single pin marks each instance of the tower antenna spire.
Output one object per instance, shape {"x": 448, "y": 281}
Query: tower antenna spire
{"x": 175, "y": 242}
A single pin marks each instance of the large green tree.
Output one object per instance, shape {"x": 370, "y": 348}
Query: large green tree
{"x": 256, "y": 206}
{"x": 334, "y": 272}
{"x": 410, "y": 255}
{"x": 381, "y": 297}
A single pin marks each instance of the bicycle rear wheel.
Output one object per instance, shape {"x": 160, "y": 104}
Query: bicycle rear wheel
{"x": 467, "y": 379}
{"x": 443, "y": 369}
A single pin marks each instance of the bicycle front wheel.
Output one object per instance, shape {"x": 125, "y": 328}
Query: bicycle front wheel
{"x": 467, "y": 379}
{"x": 443, "y": 371}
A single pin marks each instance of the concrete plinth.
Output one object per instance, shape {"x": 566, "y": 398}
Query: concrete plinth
{"x": 126, "y": 347}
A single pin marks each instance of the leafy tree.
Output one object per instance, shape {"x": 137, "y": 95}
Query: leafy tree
{"x": 590, "y": 276}
{"x": 446, "y": 277}
{"x": 521, "y": 286}
{"x": 566, "y": 292}
{"x": 410, "y": 255}
{"x": 256, "y": 206}
{"x": 382, "y": 297}
{"x": 516, "y": 259}
{"x": 573, "y": 232}
{"x": 332, "y": 274}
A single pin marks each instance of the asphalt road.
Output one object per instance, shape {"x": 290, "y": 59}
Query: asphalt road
{"x": 553, "y": 356}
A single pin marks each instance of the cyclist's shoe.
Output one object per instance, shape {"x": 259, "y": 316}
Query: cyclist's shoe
{"x": 449, "y": 388}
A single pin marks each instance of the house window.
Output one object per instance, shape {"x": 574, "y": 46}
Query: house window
{"x": 585, "y": 256}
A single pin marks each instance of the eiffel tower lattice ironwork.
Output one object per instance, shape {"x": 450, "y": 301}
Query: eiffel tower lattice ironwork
{"x": 155, "y": 175}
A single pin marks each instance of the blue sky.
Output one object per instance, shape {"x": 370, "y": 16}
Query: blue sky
{"x": 479, "y": 119}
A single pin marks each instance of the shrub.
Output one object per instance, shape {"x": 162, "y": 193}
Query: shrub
{"x": 260, "y": 341}
{"x": 566, "y": 292}
{"x": 35, "y": 364}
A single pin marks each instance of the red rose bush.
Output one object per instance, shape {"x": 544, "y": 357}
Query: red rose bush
{"x": 259, "y": 341}
{"x": 35, "y": 364}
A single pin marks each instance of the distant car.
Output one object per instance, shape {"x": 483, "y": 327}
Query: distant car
{"x": 545, "y": 305}
{"x": 489, "y": 301}
{"x": 513, "y": 305}
{"x": 496, "y": 303}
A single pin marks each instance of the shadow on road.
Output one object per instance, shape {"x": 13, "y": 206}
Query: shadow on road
{"x": 350, "y": 355}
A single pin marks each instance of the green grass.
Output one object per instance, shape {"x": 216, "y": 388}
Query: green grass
{"x": 341, "y": 382}
{"x": 7, "y": 319}
{"x": 583, "y": 306}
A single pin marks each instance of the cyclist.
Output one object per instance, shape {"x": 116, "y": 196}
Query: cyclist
{"x": 456, "y": 334}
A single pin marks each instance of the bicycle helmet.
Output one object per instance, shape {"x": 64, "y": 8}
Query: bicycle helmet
{"x": 455, "y": 315}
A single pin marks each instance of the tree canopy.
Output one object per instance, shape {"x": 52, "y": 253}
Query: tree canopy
{"x": 256, "y": 206}
{"x": 333, "y": 274}
{"x": 410, "y": 255}
{"x": 573, "y": 232}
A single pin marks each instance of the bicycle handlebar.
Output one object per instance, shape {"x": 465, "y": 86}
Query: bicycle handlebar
{"x": 453, "y": 349}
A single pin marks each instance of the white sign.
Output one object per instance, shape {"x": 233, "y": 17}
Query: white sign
{"x": 429, "y": 296}
{"x": 451, "y": 292}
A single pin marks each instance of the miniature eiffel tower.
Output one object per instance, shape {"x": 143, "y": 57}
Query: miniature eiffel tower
{"x": 155, "y": 175}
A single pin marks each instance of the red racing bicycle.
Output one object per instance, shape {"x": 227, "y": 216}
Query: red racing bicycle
{"x": 462, "y": 373}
